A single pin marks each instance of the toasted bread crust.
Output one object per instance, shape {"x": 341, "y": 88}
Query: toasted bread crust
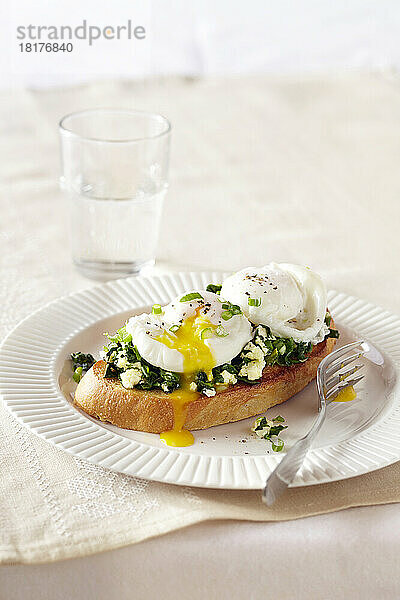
{"x": 152, "y": 411}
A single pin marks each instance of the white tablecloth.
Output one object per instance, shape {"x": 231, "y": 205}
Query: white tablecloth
{"x": 303, "y": 171}
{"x": 353, "y": 554}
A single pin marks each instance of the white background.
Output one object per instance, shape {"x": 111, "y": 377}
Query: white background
{"x": 205, "y": 37}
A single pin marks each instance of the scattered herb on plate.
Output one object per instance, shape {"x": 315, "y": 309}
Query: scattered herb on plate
{"x": 269, "y": 429}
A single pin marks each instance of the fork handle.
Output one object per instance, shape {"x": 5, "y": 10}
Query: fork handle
{"x": 286, "y": 471}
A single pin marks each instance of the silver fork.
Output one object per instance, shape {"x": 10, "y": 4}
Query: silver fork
{"x": 330, "y": 381}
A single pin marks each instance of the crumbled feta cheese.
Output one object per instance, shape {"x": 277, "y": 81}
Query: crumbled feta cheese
{"x": 122, "y": 362}
{"x": 253, "y": 370}
{"x": 209, "y": 393}
{"x": 262, "y": 331}
{"x": 130, "y": 378}
{"x": 228, "y": 378}
{"x": 262, "y": 426}
{"x": 164, "y": 387}
{"x": 260, "y": 342}
{"x": 193, "y": 387}
{"x": 254, "y": 352}
{"x": 257, "y": 354}
{"x": 249, "y": 347}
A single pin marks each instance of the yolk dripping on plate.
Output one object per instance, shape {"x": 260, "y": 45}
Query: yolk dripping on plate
{"x": 197, "y": 356}
{"x": 346, "y": 395}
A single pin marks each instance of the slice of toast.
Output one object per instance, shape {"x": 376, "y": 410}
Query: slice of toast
{"x": 152, "y": 410}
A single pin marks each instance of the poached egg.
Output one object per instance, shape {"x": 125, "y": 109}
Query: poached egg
{"x": 190, "y": 334}
{"x": 289, "y": 299}
{"x": 193, "y": 333}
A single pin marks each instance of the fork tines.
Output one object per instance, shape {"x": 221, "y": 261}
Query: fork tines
{"x": 331, "y": 379}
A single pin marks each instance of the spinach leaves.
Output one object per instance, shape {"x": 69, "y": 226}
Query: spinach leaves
{"x": 81, "y": 363}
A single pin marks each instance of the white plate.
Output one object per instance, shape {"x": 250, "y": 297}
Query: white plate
{"x": 35, "y": 381}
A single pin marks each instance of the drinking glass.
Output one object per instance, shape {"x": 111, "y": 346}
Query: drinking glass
{"x": 115, "y": 176}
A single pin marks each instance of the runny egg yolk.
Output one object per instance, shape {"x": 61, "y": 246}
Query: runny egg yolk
{"x": 197, "y": 356}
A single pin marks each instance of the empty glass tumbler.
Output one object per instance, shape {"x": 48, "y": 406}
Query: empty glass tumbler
{"x": 115, "y": 175}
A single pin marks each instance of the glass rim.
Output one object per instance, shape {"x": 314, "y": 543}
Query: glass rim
{"x": 65, "y": 131}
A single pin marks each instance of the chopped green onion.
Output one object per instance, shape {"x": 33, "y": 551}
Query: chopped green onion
{"x": 233, "y": 308}
{"x": 174, "y": 328}
{"x": 278, "y": 419}
{"x": 226, "y": 315}
{"x": 77, "y": 376}
{"x": 230, "y": 310}
{"x": 191, "y": 296}
{"x": 206, "y": 333}
{"x": 121, "y": 335}
{"x": 127, "y": 338}
{"x": 254, "y": 301}
{"x": 216, "y": 289}
{"x": 221, "y": 332}
{"x": 156, "y": 310}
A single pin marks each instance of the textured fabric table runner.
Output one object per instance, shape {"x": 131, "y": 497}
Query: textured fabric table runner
{"x": 262, "y": 169}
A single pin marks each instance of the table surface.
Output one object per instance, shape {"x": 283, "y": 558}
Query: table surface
{"x": 262, "y": 169}
{"x": 315, "y": 558}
